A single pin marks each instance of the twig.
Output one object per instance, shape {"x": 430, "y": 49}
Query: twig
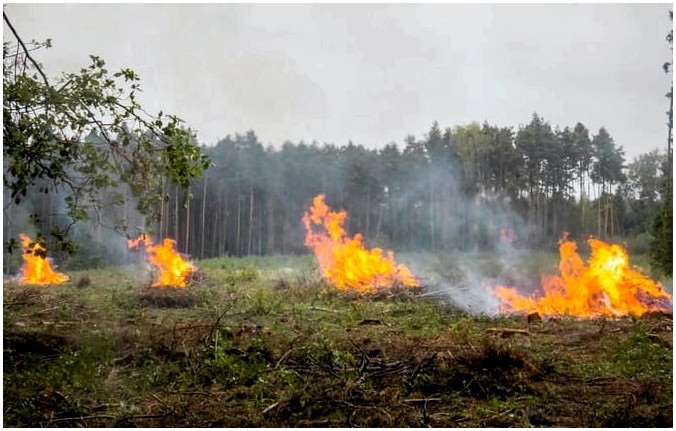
{"x": 25, "y": 50}
{"x": 438, "y": 292}
{"x": 82, "y": 418}
{"x": 144, "y": 417}
{"x": 498, "y": 415}
{"x": 45, "y": 310}
{"x": 323, "y": 309}
{"x": 270, "y": 407}
{"x": 467, "y": 386}
{"x": 421, "y": 400}
{"x": 162, "y": 402}
{"x": 284, "y": 356}
{"x": 213, "y": 327}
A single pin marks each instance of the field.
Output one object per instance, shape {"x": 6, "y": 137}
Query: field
{"x": 264, "y": 342}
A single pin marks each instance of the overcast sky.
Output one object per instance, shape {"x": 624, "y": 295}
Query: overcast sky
{"x": 374, "y": 73}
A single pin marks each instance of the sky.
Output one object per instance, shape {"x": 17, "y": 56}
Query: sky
{"x": 375, "y": 73}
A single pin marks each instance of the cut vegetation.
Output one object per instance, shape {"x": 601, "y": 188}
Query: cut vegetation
{"x": 266, "y": 343}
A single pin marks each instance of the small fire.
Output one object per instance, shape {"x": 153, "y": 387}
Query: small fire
{"x": 36, "y": 268}
{"x": 174, "y": 270}
{"x": 605, "y": 286}
{"x": 344, "y": 261}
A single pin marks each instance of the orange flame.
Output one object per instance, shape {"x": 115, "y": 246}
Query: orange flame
{"x": 344, "y": 261}
{"x": 605, "y": 286}
{"x": 36, "y": 268}
{"x": 174, "y": 270}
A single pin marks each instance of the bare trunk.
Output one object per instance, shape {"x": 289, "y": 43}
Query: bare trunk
{"x": 432, "y": 212}
{"x": 271, "y": 225}
{"x": 239, "y": 220}
{"x": 368, "y": 212}
{"x": 380, "y": 217}
{"x": 187, "y": 224}
{"x": 176, "y": 233}
{"x": 160, "y": 229}
{"x": 251, "y": 211}
{"x": 260, "y": 229}
{"x": 7, "y": 235}
{"x": 204, "y": 213}
{"x": 215, "y": 236}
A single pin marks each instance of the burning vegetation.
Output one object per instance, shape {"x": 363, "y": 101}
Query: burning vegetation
{"x": 604, "y": 286}
{"x": 344, "y": 261}
{"x": 174, "y": 271}
{"x": 37, "y": 268}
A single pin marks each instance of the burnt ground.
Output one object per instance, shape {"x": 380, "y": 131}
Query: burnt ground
{"x": 292, "y": 353}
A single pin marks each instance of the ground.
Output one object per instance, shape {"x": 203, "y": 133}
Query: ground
{"x": 267, "y": 343}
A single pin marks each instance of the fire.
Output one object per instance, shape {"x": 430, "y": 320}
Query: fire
{"x": 36, "y": 267}
{"x": 174, "y": 270}
{"x": 604, "y": 286}
{"x": 345, "y": 262}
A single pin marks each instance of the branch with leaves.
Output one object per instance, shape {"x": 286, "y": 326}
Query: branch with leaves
{"x": 86, "y": 134}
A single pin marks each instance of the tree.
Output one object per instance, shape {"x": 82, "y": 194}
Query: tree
{"x": 85, "y": 133}
{"x": 606, "y": 171}
{"x": 661, "y": 248}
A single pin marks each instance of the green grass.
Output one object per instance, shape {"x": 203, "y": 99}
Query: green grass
{"x": 266, "y": 342}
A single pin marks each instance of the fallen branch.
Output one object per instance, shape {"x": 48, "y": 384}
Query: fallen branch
{"x": 45, "y": 310}
{"x": 328, "y": 310}
{"x": 421, "y": 400}
{"x": 80, "y": 418}
{"x": 284, "y": 356}
{"x": 162, "y": 402}
{"x": 269, "y": 408}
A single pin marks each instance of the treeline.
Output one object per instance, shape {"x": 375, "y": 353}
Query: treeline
{"x": 466, "y": 187}
{"x": 455, "y": 189}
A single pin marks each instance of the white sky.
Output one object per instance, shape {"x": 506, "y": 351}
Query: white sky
{"x": 374, "y": 73}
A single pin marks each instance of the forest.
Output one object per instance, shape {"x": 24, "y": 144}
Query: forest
{"x": 458, "y": 188}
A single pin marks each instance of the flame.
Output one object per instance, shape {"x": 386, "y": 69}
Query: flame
{"x": 605, "y": 286}
{"x": 36, "y": 268}
{"x": 344, "y": 261}
{"x": 174, "y": 270}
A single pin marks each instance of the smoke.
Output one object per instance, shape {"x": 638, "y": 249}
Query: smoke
{"x": 479, "y": 241}
{"x": 100, "y": 239}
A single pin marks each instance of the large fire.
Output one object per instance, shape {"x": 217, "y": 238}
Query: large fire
{"x": 345, "y": 262}
{"x": 605, "y": 286}
{"x": 36, "y": 268}
{"x": 173, "y": 269}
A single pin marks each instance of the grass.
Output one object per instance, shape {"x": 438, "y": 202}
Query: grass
{"x": 265, "y": 342}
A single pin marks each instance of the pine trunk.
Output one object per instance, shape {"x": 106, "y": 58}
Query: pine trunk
{"x": 204, "y": 213}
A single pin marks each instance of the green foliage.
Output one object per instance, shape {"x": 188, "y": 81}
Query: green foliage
{"x": 86, "y": 133}
{"x": 661, "y": 251}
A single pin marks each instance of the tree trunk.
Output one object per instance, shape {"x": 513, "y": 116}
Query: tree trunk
{"x": 204, "y": 213}
{"x": 7, "y": 236}
{"x": 251, "y": 211}
{"x": 271, "y": 225}
{"x": 432, "y": 211}
{"x": 239, "y": 220}
{"x": 368, "y": 211}
{"x": 176, "y": 233}
{"x": 187, "y": 223}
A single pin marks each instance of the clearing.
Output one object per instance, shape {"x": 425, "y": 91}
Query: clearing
{"x": 264, "y": 342}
